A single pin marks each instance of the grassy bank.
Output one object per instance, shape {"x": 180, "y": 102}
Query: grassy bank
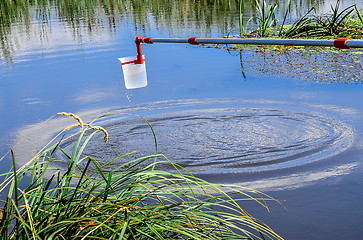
{"x": 83, "y": 201}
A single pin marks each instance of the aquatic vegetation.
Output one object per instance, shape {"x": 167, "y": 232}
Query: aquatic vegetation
{"x": 82, "y": 200}
{"x": 266, "y": 16}
{"x": 345, "y": 23}
{"x": 339, "y": 23}
{"x": 285, "y": 16}
{"x": 299, "y": 26}
{"x": 267, "y": 20}
{"x": 242, "y": 26}
{"x": 336, "y": 20}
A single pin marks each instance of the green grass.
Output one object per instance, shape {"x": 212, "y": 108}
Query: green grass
{"x": 84, "y": 201}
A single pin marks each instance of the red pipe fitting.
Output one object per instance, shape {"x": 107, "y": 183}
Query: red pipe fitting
{"x": 148, "y": 40}
{"x": 341, "y": 43}
{"x": 138, "y": 39}
{"x": 140, "y": 59}
{"x": 193, "y": 40}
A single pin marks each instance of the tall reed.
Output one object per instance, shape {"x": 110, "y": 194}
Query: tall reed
{"x": 242, "y": 26}
{"x": 131, "y": 201}
{"x": 266, "y": 16}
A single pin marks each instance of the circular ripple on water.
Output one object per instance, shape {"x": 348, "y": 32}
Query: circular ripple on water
{"x": 225, "y": 139}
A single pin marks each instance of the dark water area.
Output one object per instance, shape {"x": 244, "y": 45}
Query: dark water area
{"x": 288, "y": 124}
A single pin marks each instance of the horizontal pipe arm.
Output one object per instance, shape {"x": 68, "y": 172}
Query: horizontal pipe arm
{"x": 254, "y": 41}
{"x": 339, "y": 43}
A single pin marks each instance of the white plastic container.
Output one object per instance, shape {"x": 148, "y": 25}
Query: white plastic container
{"x": 134, "y": 74}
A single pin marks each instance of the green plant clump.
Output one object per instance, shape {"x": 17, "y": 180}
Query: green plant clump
{"x": 347, "y": 23}
{"x": 83, "y": 201}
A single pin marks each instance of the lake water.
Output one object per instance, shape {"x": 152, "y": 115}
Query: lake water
{"x": 289, "y": 124}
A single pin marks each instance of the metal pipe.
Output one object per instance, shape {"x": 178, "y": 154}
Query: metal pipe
{"x": 355, "y": 44}
{"x": 170, "y": 40}
{"x": 295, "y": 42}
{"x": 342, "y": 43}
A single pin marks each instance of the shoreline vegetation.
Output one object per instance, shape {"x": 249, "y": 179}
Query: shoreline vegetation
{"x": 83, "y": 200}
{"x": 340, "y": 23}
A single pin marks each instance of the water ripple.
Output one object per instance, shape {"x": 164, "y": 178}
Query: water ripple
{"x": 215, "y": 138}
